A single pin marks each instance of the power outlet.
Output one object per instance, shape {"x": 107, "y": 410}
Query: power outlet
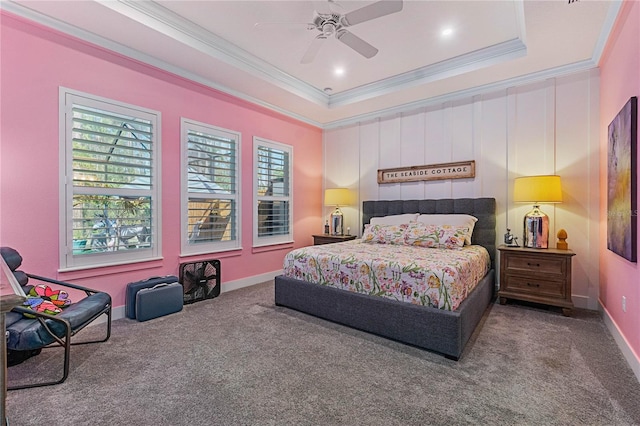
{"x": 624, "y": 304}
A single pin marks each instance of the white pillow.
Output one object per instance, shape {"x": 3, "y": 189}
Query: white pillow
{"x": 450, "y": 219}
{"x": 397, "y": 219}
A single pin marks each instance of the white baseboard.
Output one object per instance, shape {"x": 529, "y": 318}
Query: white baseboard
{"x": 249, "y": 281}
{"x": 118, "y": 312}
{"x": 581, "y": 302}
{"x": 632, "y": 358}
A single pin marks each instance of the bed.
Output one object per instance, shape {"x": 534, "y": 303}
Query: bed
{"x": 431, "y": 328}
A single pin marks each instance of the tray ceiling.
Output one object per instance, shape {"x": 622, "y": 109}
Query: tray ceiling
{"x": 253, "y": 49}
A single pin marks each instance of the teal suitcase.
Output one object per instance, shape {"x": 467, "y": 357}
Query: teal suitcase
{"x": 159, "y": 300}
{"x": 134, "y": 287}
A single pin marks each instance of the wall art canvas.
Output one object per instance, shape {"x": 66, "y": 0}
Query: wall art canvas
{"x": 622, "y": 209}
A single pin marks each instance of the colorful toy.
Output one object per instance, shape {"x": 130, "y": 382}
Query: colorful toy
{"x": 42, "y": 298}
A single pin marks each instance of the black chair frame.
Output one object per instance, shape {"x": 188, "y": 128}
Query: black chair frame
{"x": 69, "y": 331}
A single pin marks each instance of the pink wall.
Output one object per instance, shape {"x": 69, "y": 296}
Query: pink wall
{"x": 36, "y": 61}
{"x": 620, "y": 79}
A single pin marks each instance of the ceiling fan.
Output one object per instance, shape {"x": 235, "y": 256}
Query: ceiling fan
{"x": 333, "y": 23}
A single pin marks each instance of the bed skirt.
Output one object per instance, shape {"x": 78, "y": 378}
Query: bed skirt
{"x": 445, "y": 332}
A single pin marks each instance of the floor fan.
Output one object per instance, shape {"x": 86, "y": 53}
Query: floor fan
{"x": 200, "y": 280}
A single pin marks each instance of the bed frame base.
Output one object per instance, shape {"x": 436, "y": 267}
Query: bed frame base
{"x": 445, "y": 332}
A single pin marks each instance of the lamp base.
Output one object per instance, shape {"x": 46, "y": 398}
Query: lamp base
{"x": 336, "y": 222}
{"x": 536, "y": 229}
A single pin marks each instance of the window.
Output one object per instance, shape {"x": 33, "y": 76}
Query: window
{"x": 210, "y": 182}
{"x": 110, "y": 182}
{"x": 272, "y": 193}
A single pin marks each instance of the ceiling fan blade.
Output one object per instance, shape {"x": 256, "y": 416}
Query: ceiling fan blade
{"x": 335, "y": 8}
{"x": 356, "y": 43}
{"x": 307, "y": 25}
{"x": 313, "y": 49}
{"x": 328, "y": 7}
{"x": 373, "y": 11}
{"x": 322, "y": 7}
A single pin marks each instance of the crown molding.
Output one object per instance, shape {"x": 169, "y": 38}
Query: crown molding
{"x": 120, "y": 49}
{"x": 166, "y": 22}
{"x": 170, "y": 24}
{"x": 176, "y": 27}
{"x": 465, "y": 94}
{"x": 472, "y": 61}
{"x": 612, "y": 14}
{"x": 607, "y": 27}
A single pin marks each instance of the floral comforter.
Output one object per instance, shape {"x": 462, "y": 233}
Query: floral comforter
{"x": 440, "y": 278}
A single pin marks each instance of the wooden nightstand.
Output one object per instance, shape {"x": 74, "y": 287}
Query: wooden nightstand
{"x": 328, "y": 239}
{"x": 536, "y": 275}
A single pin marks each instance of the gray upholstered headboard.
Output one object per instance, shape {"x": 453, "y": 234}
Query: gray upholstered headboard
{"x": 484, "y": 233}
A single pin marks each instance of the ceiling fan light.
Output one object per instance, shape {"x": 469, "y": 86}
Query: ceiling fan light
{"x": 328, "y": 29}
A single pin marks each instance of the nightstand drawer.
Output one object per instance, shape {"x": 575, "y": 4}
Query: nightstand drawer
{"x": 532, "y": 285}
{"x": 536, "y": 265}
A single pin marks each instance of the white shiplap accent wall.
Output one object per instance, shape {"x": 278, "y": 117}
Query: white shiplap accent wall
{"x": 542, "y": 128}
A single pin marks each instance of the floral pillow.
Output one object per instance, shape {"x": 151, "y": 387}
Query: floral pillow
{"x": 435, "y": 236}
{"x": 384, "y": 234}
{"x": 450, "y": 219}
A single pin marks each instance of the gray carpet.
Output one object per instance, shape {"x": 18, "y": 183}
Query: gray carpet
{"x": 240, "y": 360}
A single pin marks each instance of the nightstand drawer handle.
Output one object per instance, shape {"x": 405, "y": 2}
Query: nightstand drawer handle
{"x": 533, "y": 264}
{"x": 533, "y": 285}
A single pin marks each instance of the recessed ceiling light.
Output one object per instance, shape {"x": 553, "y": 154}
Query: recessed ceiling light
{"x": 338, "y": 71}
{"x": 447, "y": 32}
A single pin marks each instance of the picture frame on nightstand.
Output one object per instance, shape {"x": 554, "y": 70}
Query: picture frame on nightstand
{"x": 510, "y": 240}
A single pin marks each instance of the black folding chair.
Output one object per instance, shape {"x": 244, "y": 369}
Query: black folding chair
{"x": 37, "y": 330}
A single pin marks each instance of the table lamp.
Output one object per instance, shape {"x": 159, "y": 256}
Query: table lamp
{"x": 337, "y": 197}
{"x": 538, "y": 190}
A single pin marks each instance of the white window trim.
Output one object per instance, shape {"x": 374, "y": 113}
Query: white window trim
{"x": 216, "y": 246}
{"x": 67, "y": 261}
{"x": 277, "y": 239}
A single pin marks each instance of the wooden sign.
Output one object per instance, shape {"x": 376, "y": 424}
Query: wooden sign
{"x": 460, "y": 170}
